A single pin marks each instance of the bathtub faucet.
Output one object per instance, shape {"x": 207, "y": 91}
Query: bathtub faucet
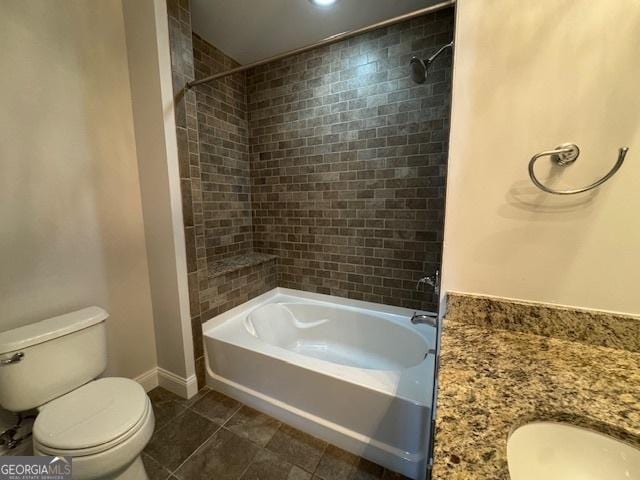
{"x": 430, "y": 319}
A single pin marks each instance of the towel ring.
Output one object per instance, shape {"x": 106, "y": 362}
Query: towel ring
{"x": 563, "y": 156}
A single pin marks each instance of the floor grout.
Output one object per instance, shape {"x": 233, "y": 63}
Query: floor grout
{"x": 197, "y": 449}
{"x": 324, "y": 450}
{"x": 233, "y": 414}
{"x": 247, "y": 467}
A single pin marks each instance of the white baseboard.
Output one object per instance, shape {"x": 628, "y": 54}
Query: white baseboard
{"x": 148, "y": 380}
{"x": 185, "y": 388}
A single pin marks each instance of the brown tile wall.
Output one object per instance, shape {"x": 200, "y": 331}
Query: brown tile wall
{"x": 348, "y": 163}
{"x": 231, "y": 289}
{"x": 224, "y": 154}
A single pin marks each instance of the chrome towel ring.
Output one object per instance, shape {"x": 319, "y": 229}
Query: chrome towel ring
{"x": 564, "y": 155}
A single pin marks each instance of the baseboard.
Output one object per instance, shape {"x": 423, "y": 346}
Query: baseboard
{"x": 159, "y": 377}
{"x": 148, "y": 380}
{"x": 185, "y": 388}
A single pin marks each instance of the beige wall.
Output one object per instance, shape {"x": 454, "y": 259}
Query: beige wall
{"x": 71, "y": 230}
{"x": 527, "y": 77}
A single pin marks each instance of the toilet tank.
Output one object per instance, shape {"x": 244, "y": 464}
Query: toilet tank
{"x": 44, "y": 360}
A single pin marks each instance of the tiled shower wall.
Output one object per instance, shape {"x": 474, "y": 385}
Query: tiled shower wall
{"x": 322, "y": 172}
{"x": 234, "y": 273}
{"x": 348, "y": 163}
{"x": 224, "y": 154}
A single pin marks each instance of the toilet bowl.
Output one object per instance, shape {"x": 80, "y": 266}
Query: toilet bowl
{"x": 102, "y": 424}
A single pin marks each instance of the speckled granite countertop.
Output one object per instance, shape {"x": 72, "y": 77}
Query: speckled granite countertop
{"x": 493, "y": 380}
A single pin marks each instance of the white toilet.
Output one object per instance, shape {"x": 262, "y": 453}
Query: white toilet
{"x": 52, "y": 365}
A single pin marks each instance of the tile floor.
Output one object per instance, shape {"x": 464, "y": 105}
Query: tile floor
{"x": 212, "y": 436}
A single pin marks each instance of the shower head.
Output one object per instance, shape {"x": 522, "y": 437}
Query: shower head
{"x": 418, "y": 70}
{"x": 419, "y": 67}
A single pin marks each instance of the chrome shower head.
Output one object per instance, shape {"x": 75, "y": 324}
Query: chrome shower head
{"x": 419, "y": 67}
{"x": 418, "y": 70}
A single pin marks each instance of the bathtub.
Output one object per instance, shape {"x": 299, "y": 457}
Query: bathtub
{"x": 358, "y": 375}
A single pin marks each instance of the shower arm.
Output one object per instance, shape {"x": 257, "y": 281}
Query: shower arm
{"x": 440, "y": 50}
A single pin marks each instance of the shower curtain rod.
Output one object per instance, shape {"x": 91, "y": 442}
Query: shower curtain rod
{"x": 326, "y": 41}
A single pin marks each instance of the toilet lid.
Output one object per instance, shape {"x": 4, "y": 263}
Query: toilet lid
{"x": 91, "y": 415}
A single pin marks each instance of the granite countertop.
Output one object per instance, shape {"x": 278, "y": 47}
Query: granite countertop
{"x": 493, "y": 380}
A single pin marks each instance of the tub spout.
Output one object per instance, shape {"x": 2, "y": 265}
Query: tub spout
{"x": 430, "y": 319}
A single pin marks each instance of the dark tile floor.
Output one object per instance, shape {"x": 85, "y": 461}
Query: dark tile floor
{"x": 214, "y": 437}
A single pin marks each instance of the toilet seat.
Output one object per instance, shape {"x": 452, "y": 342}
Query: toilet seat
{"x": 91, "y": 419}
{"x": 107, "y": 423}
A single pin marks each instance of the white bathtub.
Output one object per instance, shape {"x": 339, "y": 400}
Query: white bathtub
{"x": 358, "y": 375}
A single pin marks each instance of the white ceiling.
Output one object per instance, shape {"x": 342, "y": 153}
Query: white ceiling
{"x": 252, "y": 30}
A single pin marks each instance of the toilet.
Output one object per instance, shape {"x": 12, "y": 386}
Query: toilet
{"x": 53, "y": 366}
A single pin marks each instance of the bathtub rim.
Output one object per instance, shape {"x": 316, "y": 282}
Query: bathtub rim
{"x": 354, "y": 374}
{"x": 312, "y": 296}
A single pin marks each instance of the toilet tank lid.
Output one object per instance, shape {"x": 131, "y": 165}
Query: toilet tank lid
{"x": 45, "y": 330}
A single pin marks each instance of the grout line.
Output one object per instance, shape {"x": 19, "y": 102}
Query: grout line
{"x": 221, "y": 427}
{"x": 166, "y": 424}
{"x": 197, "y": 449}
{"x": 324, "y": 450}
{"x": 209, "y": 437}
{"x": 212, "y": 420}
{"x": 247, "y": 467}
{"x": 233, "y": 415}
